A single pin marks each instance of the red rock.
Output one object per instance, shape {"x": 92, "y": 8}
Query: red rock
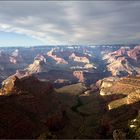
{"x": 79, "y": 75}
{"x": 58, "y": 60}
{"x": 76, "y": 58}
{"x": 135, "y": 53}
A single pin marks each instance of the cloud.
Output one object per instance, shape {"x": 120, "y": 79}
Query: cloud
{"x": 73, "y": 22}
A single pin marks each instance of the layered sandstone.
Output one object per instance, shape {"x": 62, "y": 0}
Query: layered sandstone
{"x": 82, "y": 59}
{"x": 124, "y": 61}
{"x": 58, "y": 60}
{"x": 128, "y": 88}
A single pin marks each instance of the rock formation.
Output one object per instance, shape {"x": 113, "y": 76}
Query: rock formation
{"x": 79, "y": 75}
{"x": 28, "y": 108}
{"x": 134, "y": 53}
{"x": 124, "y": 61}
{"x": 127, "y": 89}
{"x": 37, "y": 66}
{"x": 57, "y": 59}
{"x": 81, "y": 59}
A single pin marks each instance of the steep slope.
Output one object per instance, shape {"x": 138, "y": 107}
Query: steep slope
{"x": 83, "y": 112}
{"x": 37, "y": 66}
{"x": 122, "y": 96}
{"x": 58, "y": 60}
{"x": 28, "y": 108}
{"x": 124, "y": 61}
{"x": 9, "y": 63}
{"x": 128, "y": 87}
{"x": 82, "y": 59}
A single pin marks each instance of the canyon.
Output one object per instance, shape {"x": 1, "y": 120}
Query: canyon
{"x": 69, "y": 91}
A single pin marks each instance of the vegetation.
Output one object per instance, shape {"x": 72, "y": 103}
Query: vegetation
{"x": 134, "y": 128}
{"x": 75, "y": 89}
{"x": 47, "y": 135}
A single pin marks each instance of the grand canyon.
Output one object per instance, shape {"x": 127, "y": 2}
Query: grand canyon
{"x": 70, "y": 69}
{"x": 70, "y": 91}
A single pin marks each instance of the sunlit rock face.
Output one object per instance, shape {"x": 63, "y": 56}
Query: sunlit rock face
{"x": 135, "y": 53}
{"x": 133, "y": 97}
{"x": 10, "y": 62}
{"x": 102, "y": 92}
{"x": 40, "y": 64}
{"x": 124, "y": 61}
{"x": 79, "y": 75}
{"x": 56, "y": 58}
{"x": 8, "y": 86}
{"x": 37, "y": 66}
{"x": 122, "y": 91}
{"x": 21, "y": 73}
{"x": 29, "y": 107}
{"x": 40, "y": 57}
{"x": 61, "y": 82}
{"x": 89, "y": 66}
{"x": 106, "y": 83}
{"x": 78, "y": 58}
{"x": 15, "y": 85}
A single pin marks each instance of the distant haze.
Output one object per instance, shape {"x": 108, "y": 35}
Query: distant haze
{"x": 71, "y": 22}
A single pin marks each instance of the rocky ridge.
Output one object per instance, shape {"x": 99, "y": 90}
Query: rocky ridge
{"x": 28, "y": 108}
{"x": 124, "y": 61}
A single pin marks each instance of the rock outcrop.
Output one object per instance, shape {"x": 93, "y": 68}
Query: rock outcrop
{"x": 28, "y": 108}
{"x": 127, "y": 89}
{"x": 134, "y": 97}
{"x": 124, "y": 61}
{"x": 15, "y": 85}
{"x": 81, "y": 59}
{"x": 134, "y": 53}
{"x": 106, "y": 83}
{"x": 37, "y": 66}
{"x": 79, "y": 75}
{"x": 56, "y": 58}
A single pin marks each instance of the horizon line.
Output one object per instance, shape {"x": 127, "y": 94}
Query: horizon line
{"x": 117, "y": 44}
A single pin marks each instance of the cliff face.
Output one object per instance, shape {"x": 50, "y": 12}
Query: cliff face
{"x": 58, "y": 60}
{"x": 28, "y": 108}
{"x": 133, "y": 97}
{"x": 122, "y": 99}
{"x": 128, "y": 87}
{"x": 9, "y": 63}
{"x": 81, "y": 59}
{"x": 106, "y": 83}
{"x": 37, "y": 66}
{"x": 124, "y": 61}
{"x": 85, "y": 77}
{"x": 134, "y": 53}
{"x": 79, "y": 75}
{"x": 15, "y": 85}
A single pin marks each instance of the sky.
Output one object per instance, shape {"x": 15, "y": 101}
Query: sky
{"x": 29, "y": 23}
